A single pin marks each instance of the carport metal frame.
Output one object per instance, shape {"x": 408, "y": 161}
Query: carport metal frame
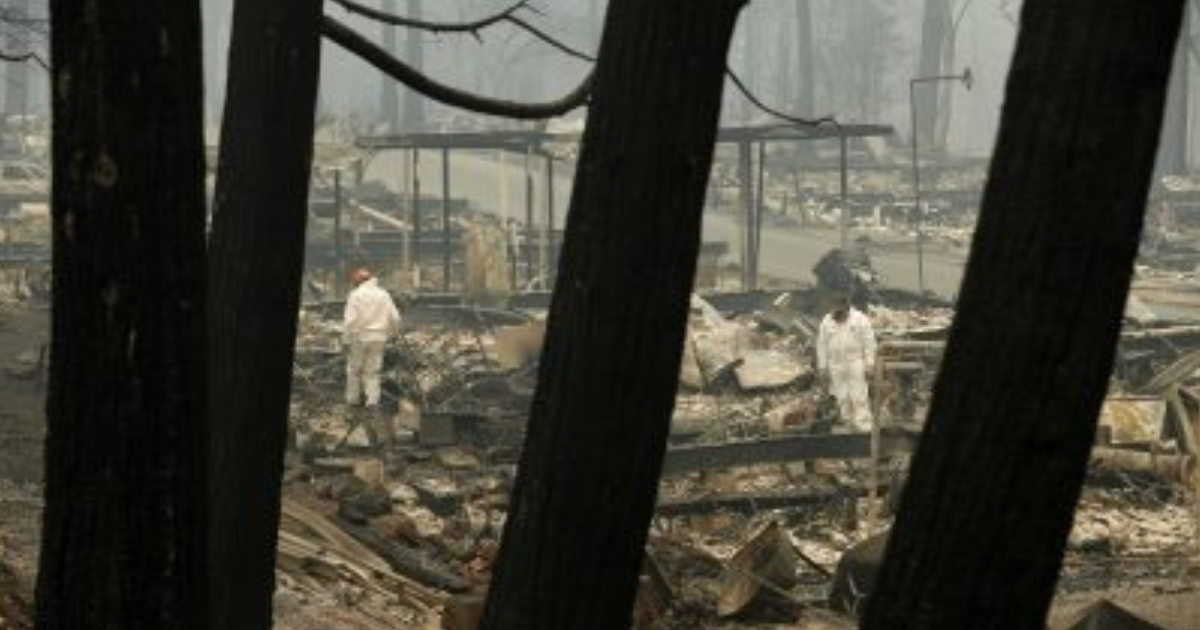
{"x": 534, "y": 142}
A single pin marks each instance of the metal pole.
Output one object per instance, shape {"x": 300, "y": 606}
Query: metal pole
{"x": 416, "y": 217}
{"x": 845, "y": 218}
{"x": 551, "y": 251}
{"x": 543, "y": 254}
{"x": 339, "y": 282}
{"x": 966, "y": 79}
{"x": 446, "y": 220}
{"x": 510, "y": 229}
{"x": 759, "y": 207}
{"x": 747, "y": 200}
{"x": 528, "y": 218}
{"x": 916, "y": 168}
{"x": 402, "y": 193}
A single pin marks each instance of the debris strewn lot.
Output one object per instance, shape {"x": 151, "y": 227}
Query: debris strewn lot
{"x": 763, "y": 493}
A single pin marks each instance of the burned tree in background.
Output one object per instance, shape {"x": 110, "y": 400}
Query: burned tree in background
{"x": 979, "y": 539}
{"x": 806, "y": 75}
{"x": 414, "y": 104}
{"x": 389, "y": 91}
{"x": 1176, "y": 132}
{"x": 936, "y": 27}
{"x": 585, "y": 491}
{"x": 123, "y": 542}
{"x": 256, "y": 260}
{"x": 16, "y": 75}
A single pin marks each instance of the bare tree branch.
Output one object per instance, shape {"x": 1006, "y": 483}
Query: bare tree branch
{"x": 368, "y": 51}
{"x": 474, "y": 28}
{"x": 757, "y": 102}
{"x": 41, "y": 26}
{"x": 21, "y": 58}
{"x": 390, "y": 65}
{"x": 362, "y": 47}
{"x": 554, "y": 43}
{"x": 434, "y": 27}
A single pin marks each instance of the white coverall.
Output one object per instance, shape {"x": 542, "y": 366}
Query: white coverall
{"x": 370, "y": 319}
{"x": 847, "y": 350}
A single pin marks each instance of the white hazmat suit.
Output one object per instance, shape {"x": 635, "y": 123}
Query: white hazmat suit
{"x": 370, "y": 319}
{"x": 847, "y": 350}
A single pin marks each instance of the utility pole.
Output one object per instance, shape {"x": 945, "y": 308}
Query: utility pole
{"x": 966, "y": 79}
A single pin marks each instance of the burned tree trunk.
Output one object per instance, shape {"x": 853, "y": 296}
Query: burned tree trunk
{"x": 122, "y": 543}
{"x": 16, "y": 84}
{"x": 935, "y": 35}
{"x": 806, "y": 75}
{"x": 389, "y": 90}
{"x": 980, "y": 535}
{"x": 945, "y": 91}
{"x": 257, "y": 254}
{"x": 589, "y": 473}
{"x": 414, "y": 102}
{"x": 1173, "y": 149}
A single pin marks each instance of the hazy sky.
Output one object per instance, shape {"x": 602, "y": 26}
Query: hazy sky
{"x": 509, "y": 64}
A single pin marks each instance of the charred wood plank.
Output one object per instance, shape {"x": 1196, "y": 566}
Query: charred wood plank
{"x": 754, "y": 502}
{"x": 408, "y": 562}
{"x": 786, "y": 449}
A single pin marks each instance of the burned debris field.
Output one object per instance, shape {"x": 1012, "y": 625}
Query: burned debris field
{"x": 594, "y": 315}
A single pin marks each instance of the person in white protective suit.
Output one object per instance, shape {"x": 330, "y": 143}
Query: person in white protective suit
{"x": 845, "y": 356}
{"x": 370, "y": 320}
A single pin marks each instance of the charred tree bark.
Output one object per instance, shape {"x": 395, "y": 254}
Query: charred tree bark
{"x": 979, "y": 539}
{"x": 586, "y": 486}
{"x": 935, "y": 31}
{"x": 256, "y": 254}
{"x": 123, "y": 543}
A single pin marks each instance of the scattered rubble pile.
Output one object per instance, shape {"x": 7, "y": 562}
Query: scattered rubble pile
{"x": 1105, "y": 615}
{"x": 762, "y": 495}
{"x": 323, "y": 570}
{"x": 20, "y": 508}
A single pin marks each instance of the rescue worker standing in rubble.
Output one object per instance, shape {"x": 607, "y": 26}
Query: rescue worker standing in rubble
{"x": 845, "y": 356}
{"x": 370, "y": 320}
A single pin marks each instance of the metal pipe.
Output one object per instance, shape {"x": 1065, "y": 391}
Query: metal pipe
{"x": 549, "y": 246}
{"x": 966, "y": 79}
{"x": 339, "y": 281}
{"x": 376, "y": 215}
{"x": 416, "y": 216}
{"x": 844, "y": 168}
{"x": 528, "y": 218}
{"x": 406, "y": 257}
{"x": 916, "y": 170}
{"x": 446, "y": 220}
{"x": 746, "y": 198}
{"x": 760, "y": 205}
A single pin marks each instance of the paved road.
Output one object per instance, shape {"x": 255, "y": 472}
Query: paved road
{"x": 788, "y": 253}
{"x": 791, "y": 252}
